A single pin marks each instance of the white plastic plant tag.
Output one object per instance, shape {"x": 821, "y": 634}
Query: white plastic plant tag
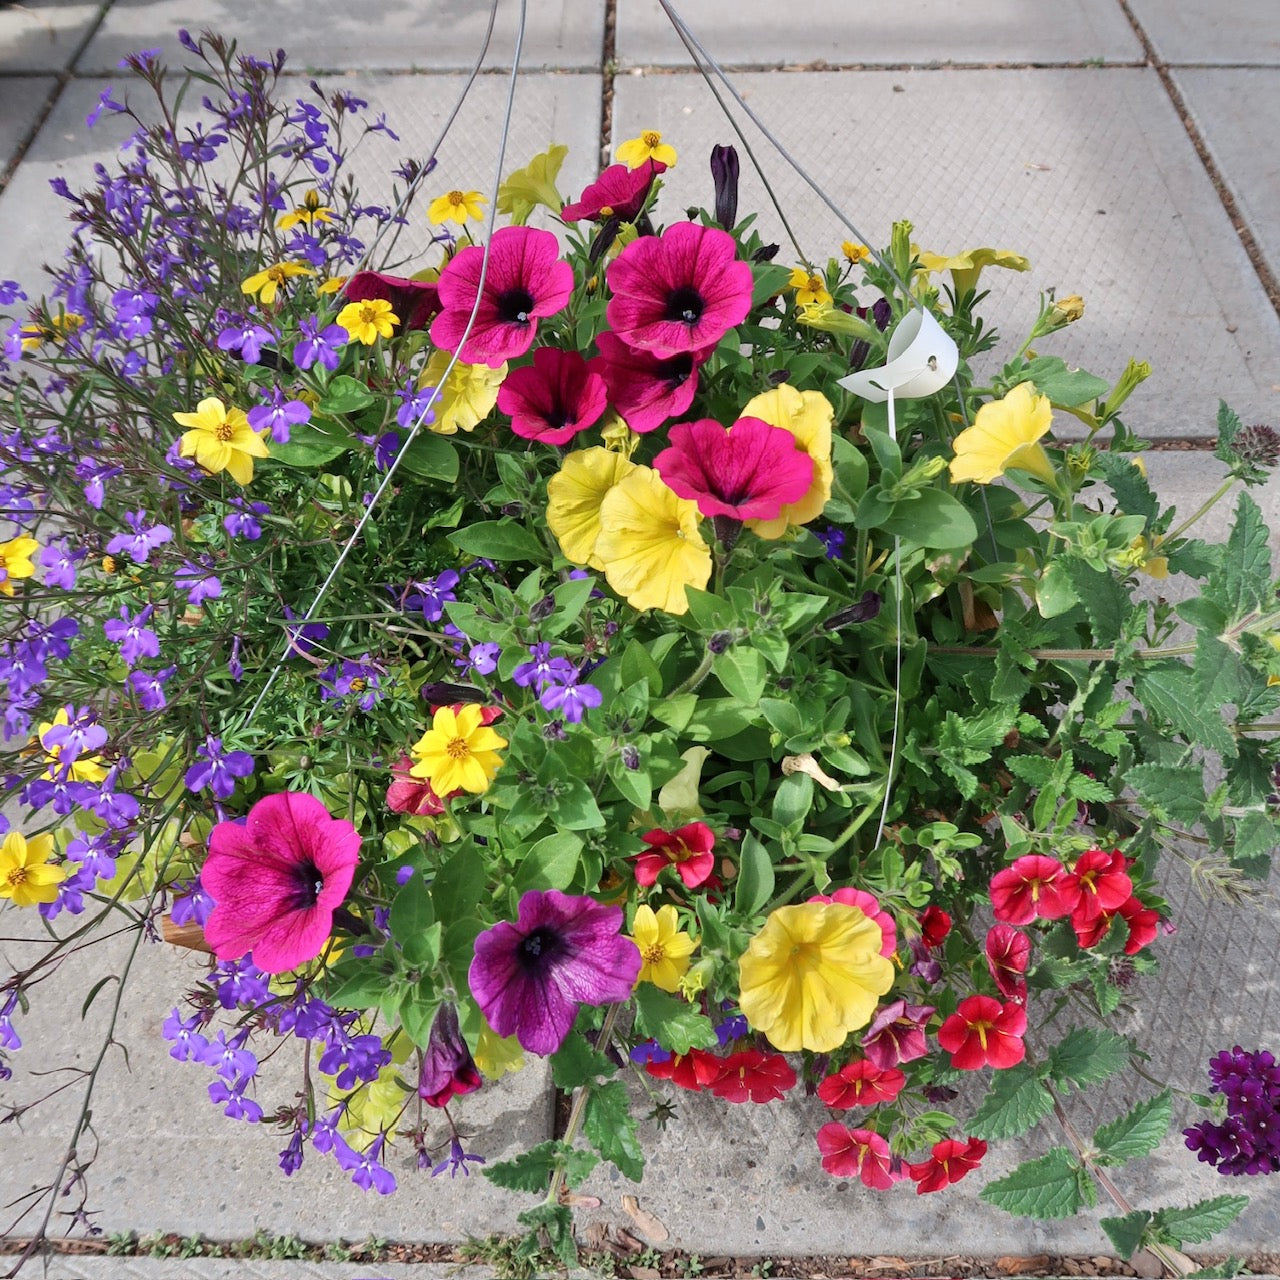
{"x": 922, "y": 359}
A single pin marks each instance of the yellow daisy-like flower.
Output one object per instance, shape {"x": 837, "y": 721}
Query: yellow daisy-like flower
{"x": 574, "y": 495}
{"x": 456, "y": 206}
{"x": 854, "y": 253}
{"x": 812, "y": 975}
{"x": 332, "y": 285}
{"x": 368, "y": 321}
{"x": 649, "y": 543}
{"x": 467, "y": 395}
{"x": 664, "y": 948}
{"x": 309, "y": 211}
{"x": 1005, "y": 433}
{"x": 221, "y": 439}
{"x": 810, "y": 288}
{"x": 264, "y": 284}
{"x": 648, "y": 146}
{"x": 26, "y": 874}
{"x": 82, "y": 769}
{"x": 808, "y": 416}
{"x": 15, "y": 561}
{"x": 967, "y": 266}
{"x": 533, "y": 185}
{"x": 458, "y": 753}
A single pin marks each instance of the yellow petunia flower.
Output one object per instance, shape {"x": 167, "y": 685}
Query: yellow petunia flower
{"x": 82, "y": 769}
{"x": 456, "y": 206}
{"x": 812, "y": 975}
{"x": 967, "y": 266}
{"x": 648, "y": 146}
{"x": 1068, "y": 310}
{"x": 458, "y": 753}
{"x": 264, "y": 284}
{"x": 368, "y": 321}
{"x": 650, "y": 544}
{"x": 309, "y": 211}
{"x": 574, "y": 495}
{"x": 1005, "y": 434}
{"x": 15, "y": 561}
{"x": 221, "y": 439}
{"x": 466, "y": 397}
{"x": 27, "y": 877}
{"x": 496, "y": 1055}
{"x": 810, "y": 289}
{"x": 808, "y": 416}
{"x": 533, "y": 185}
{"x": 664, "y": 948}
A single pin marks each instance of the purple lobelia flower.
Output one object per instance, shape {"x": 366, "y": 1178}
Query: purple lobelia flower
{"x": 323, "y": 345}
{"x": 279, "y": 416}
{"x": 143, "y": 539}
{"x": 135, "y": 638}
{"x": 456, "y": 1161}
{"x": 366, "y": 1172}
{"x": 571, "y": 699}
{"x": 529, "y": 978}
{"x": 218, "y": 769}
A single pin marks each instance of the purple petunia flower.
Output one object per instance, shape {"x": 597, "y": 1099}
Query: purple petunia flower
{"x": 144, "y": 539}
{"x": 448, "y": 1070}
{"x": 218, "y": 769}
{"x": 530, "y": 978}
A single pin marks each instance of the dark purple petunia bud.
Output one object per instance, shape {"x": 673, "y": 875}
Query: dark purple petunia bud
{"x": 724, "y": 173}
{"x": 866, "y": 609}
{"x": 448, "y": 1069}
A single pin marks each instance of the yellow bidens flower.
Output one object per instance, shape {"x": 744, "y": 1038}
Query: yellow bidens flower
{"x": 458, "y": 752}
{"x": 15, "y": 561}
{"x": 854, "y": 253}
{"x": 812, "y": 975}
{"x": 221, "y": 439}
{"x": 456, "y": 206}
{"x": 533, "y": 185}
{"x": 967, "y": 266}
{"x": 264, "y": 284}
{"x": 309, "y": 211}
{"x": 664, "y": 948}
{"x": 808, "y": 416}
{"x": 574, "y": 495}
{"x": 1005, "y": 434}
{"x": 648, "y": 146}
{"x": 368, "y": 321}
{"x": 26, "y": 874}
{"x": 332, "y": 285}
{"x": 810, "y": 288}
{"x": 81, "y": 769}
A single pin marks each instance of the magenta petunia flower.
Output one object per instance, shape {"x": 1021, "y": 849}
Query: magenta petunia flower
{"x": 414, "y": 301}
{"x": 645, "y": 389}
{"x": 276, "y": 881}
{"x": 618, "y": 192}
{"x": 897, "y": 1034}
{"x": 553, "y": 398}
{"x": 680, "y": 291}
{"x": 747, "y": 472}
{"x": 525, "y": 282}
{"x": 529, "y": 978}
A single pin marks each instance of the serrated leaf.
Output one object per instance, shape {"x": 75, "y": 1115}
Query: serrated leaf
{"x": 1224, "y": 1270}
{"x": 677, "y": 1025}
{"x": 1242, "y": 583}
{"x": 532, "y": 1169}
{"x": 1203, "y": 1220}
{"x": 1228, "y": 429}
{"x": 575, "y": 1062}
{"x": 1169, "y": 691}
{"x": 1086, "y": 1056}
{"x": 1036, "y": 770}
{"x": 1133, "y": 492}
{"x": 1173, "y": 793}
{"x": 1106, "y": 994}
{"x": 1016, "y": 1102}
{"x": 1044, "y": 1188}
{"x": 609, "y": 1126}
{"x": 1137, "y": 1133}
{"x": 1257, "y": 836}
{"x": 1104, "y": 600}
{"x": 1125, "y": 1233}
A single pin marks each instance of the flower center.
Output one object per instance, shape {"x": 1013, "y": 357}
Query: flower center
{"x": 278, "y": 274}
{"x": 359, "y": 684}
{"x": 16, "y": 877}
{"x": 675, "y": 372}
{"x": 539, "y": 947}
{"x": 457, "y": 749}
{"x": 685, "y": 304}
{"x": 651, "y": 139}
{"x": 457, "y": 199}
{"x": 514, "y": 306}
{"x": 369, "y": 313}
{"x": 654, "y": 954}
{"x": 224, "y": 432}
{"x": 308, "y": 884}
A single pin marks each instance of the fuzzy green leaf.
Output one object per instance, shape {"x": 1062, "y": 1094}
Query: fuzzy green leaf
{"x": 1086, "y": 1056}
{"x": 1036, "y": 770}
{"x": 609, "y": 1126}
{"x": 1045, "y": 1188}
{"x": 1125, "y": 1233}
{"x": 1173, "y": 793}
{"x": 1137, "y": 1133}
{"x": 575, "y": 1062}
{"x": 532, "y": 1169}
{"x": 1133, "y": 492}
{"x": 1243, "y": 582}
{"x": 1016, "y": 1102}
{"x": 1201, "y": 1221}
{"x": 1169, "y": 691}
{"x": 679, "y": 1026}
{"x": 1067, "y": 387}
{"x": 1104, "y": 601}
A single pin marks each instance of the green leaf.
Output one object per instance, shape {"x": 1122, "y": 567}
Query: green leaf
{"x": 311, "y": 445}
{"x": 457, "y": 885}
{"x": 575, "y": 1062}
{"x": 1016, "y": 1102}
{"x": 679, "y": 1026}
{"x": 499, "y": 540}
{"x": 1045, "y": 1188}
{"x": 1243, "y": 583}
{"x": 1169, "y": 690}
{"x": 430, "y": 457}
{"x": 793, "y": 799}
{"x": 754, "y": 886}
{"x": 1257, "y": 836}
{"x": 769, "y": 281}
{"x": 1228, "y": 429}
{"x": 412, "y": 914}
{"x": 345, "y": 395}
{"x": 532, "y": 1169}
{"x": 1036, "y": 770}
{"x": 637, "y": 665}
{"x": 1126, "y": 1233}
{"x": 418, "y": 1008}
{"x": 742, "y": 671}
{"x": 609, "y": 1126}
{"x": 574, "y": 807}
{"x": 1104, "y": 600}
{"x": 932, "y": 519}
{"x": 550, "y": 863}
{"x": 1132, "y": 489}
{"x": 1067, "y": 387}
{"x": 1202, "y": 1220}
{"x": 1224, "y": 1270}
{"x": 1137, "y": 1133}
{"x": 1086, "y": 1056}
{"x": 1175, "y": 794}
{"x": 1055, "y": 592}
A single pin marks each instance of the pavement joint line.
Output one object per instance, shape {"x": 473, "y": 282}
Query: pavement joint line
{"x": 820, "y": 64}
{"x": 608, "y": 73}
{"x": 1266, "y": 277}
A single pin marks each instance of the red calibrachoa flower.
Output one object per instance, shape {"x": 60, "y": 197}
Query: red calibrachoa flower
{"x": 618, "y": 192}
{"x": 1102, "y": 882}
{"x": 861, "y": 1084}
{"x": 554, "y": 398}
{"x": 870, "y": 907}
{"x": 408, "y": 794}
{"x": 947, "y": 1163}
{"x": 693, "y": 1070}
{"x": 857, "y": 1153}
{"x": 896, "y": 1033}
{"x": 1142, "y": 923}
{"x": 644, "y": 388}
{"x": 687, "y": 848}
{"x": 1008, "y": 952}
{"x": 1033, "y": 886}
{"x": 752, "y": 1074}
{"x": 935, "y": 924}
{"x": 984, "y": 1033}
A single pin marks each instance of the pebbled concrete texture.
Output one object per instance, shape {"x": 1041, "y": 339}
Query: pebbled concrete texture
{"x": 45, "y": 35}
{"x": 1203, "y": 31}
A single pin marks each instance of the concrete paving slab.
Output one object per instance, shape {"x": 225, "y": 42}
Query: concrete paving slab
{"x": 1109, "y": 202}
{"x": 45, "y": 35}
{"x": 912, "y": 32}
{"x": 1208, "y": 31}
{"x": 1235, "y": 111}
{"x": 549, "y": 108}
{"x": 22, "y": 99}
{"x": 437, "y": 35}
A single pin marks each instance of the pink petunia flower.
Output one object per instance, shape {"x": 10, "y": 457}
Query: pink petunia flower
{"x": 618, "y": 192}
{"x": 554, "y": 398}
{"x": 857, "y": 1153}
{"x": 861, "y": 1084}
{"x": 686, "y": 848}
{"x": 526, "y": 281}
{"x": 870, "y": 907}
{"x": 415, "y": 301}
{"x": 680, "y": 291}
{"x": 983, "y": 1032}
{"x": 749, "y": 471}
{"x": 276, "y": 881}
{"x": 1008, "y": 951}
{"x": 897, "y": 1034}
{"x": 645, "y": 389}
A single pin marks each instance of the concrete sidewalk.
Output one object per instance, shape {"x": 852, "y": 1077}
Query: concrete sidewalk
{"x": 1128, "y": 151}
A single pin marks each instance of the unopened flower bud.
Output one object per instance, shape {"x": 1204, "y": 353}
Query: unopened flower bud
{"x": 724, "y": 175}
{"x": 720, "y": 641}
{"x": 630, "y": 757}
{"x": 542, "y": 609}
{"x": 1258, "y": 444}
{"x": 1068, "y": 310}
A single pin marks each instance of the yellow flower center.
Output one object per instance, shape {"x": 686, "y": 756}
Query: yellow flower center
{"x": 606, "y": 211}
{"x": 654, "y": 954}
{"x": 359, "y": 684}
{"x": 278, "y": 274}
{"x": 457, "y": 749}
{"x": 457, "y": 199}
{"x": 981, "y": 1028}
{"x": 651, "y": 139}
{"x": 369, "y": 313}
{"x": 108, "y": 564}
{"x": 815, "y": 284}
{"x": 224, "y": 432}
{"x": 16, "y": 877}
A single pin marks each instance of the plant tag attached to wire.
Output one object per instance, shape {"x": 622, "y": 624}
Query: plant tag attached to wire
{"x": 922, "y": 359}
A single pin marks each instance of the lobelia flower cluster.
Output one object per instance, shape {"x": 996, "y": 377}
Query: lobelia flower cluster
{"x": 534, "y": 647}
